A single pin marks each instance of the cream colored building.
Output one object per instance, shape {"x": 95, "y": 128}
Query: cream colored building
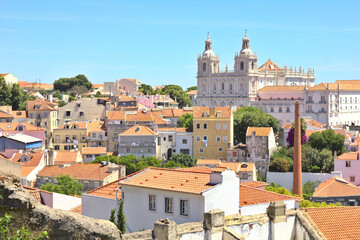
{"x": 43, "y": 114}
{"x": 213, "y": 132}
{"x": 9, "y": 78}
{"x": 70, "y": 136}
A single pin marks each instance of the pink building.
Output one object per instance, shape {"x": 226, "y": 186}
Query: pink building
{"x": 349, "y": 164}
{"x": 23, "y": 128}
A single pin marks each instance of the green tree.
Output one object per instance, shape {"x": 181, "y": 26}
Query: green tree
{"x": 177, "y": 93}
{"x": 185, "y": 120}
{"x": 183, "y": 159}
{"x": 77, "y": 90}
{"x": 172, "y": 164}
{"x": 98, "y": 94}
{"x": 112, "y": 216}
{"x": 328, "y": 139}
{"x": 277, "y": 189}
{"x": 309, "y": 189}
{"x": 146, "y": 89}
{"x": 62, "y": 103}
{"x": 251, "y": 117}
{"x": 65, "y": 84}
{"x": 279, "y": 165}
{"x": 65, "y": 185}
{"x": 307, "y": 204}
{"x": 121, "y": 218}
{"x": 191, "y": 88}
{"x": 57, "y": 95}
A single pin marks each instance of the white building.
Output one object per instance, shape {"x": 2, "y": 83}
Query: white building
{"x": 174, "y": 141}
{"x": 9, "y": 78}
{"x": 180, "y": 195}
{"x": 240, "y": 86}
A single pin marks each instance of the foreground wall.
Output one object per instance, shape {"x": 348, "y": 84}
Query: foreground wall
{"x": 285, "y": 179}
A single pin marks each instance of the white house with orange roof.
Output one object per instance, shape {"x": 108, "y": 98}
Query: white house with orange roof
{"x": 139, "y": 141}
{"x": 181, "y": 196}
{"x": 174, "y": 140}
{"x": 9, "y": 78}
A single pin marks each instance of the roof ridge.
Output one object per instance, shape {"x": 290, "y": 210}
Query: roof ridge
{"x": 330, "y": 182}
{"x": 176, "y": 170}
{"x": 278, "y": 194}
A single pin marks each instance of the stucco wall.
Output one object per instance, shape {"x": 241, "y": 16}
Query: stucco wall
{"x": 262, "y": 208}
{"x": 65, "y": 202}
{"x": 10, "y": 166}
{"x": 97, "y": 207}
{"x": 347, "y": 172}
{"x": 285, "y": 179}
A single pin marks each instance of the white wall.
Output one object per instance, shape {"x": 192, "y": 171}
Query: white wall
{"x": 180, "y": 145}
{"x": 224, "y": 196}
{"x": 138, "y": 215}
{"x": 285, "y": 179}
{"x": 262, "y": 208}
{"x": 65, "y": 202}
{"x": 97, "y": 207}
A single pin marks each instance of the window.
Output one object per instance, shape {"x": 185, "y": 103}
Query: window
{"x": 201, "y": 150}
{"x": 57, "y": 137}
{"x": 78, "y": 105}
{"x": 83, "y": 137}
{"x": 45, "y": 115}
{"x": 116, "y": 146}
{"x": 170, "y": 138}
{"x": 152, "y": 202}
{"x": 45, "y": 124}
{"x": 352, "y": 179}
{"x": 127, "y": 150}
{"x": 222, "y": 86}
{"x": 220, "y": 149}
{"x": 218, "y": 138}
{"x": 168, "y": 205}
{"x": 242, "y": 66}
{"x": 150, "y": 150}
{"x": 248, "y": 154}
{"x": 234, "y": 154}
{"x": 68, "y": 113}
{"x": 198, "y": 126}
{"x": 57, "y": 147}
{"x": 31, "y": 115}
{"x": 198, "y": 138}
{"x": 93, "y": 135}
{"x": 231, "y": 87}
{"x": 287, "y": 109}
{"x": 204, "y": 67}
{"x": 224, "y": 138}
{"x": 348, "y": 164}
{"x": 164, "y": 138}
{"x": 184, "y": 207}
{"x": 74, "y": 137}
{"x": 271, "y": 109}
{"x": 280, "y": 109}
{"x": 205, "y": 126}
{"x": 263, "y": 156}
{"x": 184, "y": 141}
{"x": 214, "y": 87}
{"x": 218, "y": 126}
{"x": 81, "y": 114}
{"x": 225, "y": 126}
{"x": 205, "y": 138}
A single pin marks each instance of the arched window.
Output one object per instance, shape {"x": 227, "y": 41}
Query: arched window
{"x": 204, "y": 67}
{"x": 242, "y": 66}
{"x": 252, "y": 65}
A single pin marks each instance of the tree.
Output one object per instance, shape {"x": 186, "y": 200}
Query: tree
{"x": 57, "y": 95}
{"x": 177, "y": 93}
{"x": 98, "y": 94}
{"x": 146, "y": 89}
{"x": 277, "y": 189}
{"x": 112, "y": 216}
{"x": 328, "y": 139}
{"x": 121, "y": 218}
{"x": 307, "y": 204}
{"x": 183, "y": 159}
{"x": 12, "y": 95}
{"x": 65, "y": 84}
{"x": 309, "y": 189}
{"x": 279, "y": 165}
{"x": 65, "y": 185}
{"x": 185, "y": 120}
{"x": 291, "y": 134}
{"x": 62, "y": 103}
{"x": 77, "y": 90}
{"x": 251, "y": 117}
{"x": 191, "y": 88}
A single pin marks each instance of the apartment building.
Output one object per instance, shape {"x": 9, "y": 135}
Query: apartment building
{"x": 213, "y": 132}
{"x": 70, "y": 136}
{"x": 96, "y": 134}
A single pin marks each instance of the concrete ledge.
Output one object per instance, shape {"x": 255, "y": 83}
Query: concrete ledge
{"x": 230, "y": 234}
{"x": 190, "y": 227}
{"x": 144, "y": 235}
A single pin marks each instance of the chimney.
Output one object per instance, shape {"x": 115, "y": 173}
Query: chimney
{"x": 297, "y": 174}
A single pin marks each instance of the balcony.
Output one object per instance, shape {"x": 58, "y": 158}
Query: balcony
{"x": 322, "y": 111}
{"x": 309, "y": 101}
{"x": 309, "y": 111}
{"x": 322, "y": 102}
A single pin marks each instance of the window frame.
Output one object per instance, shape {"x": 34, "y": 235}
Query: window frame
{"x": 182, "y": 206}
{"x": 152, "y": 203}
{"x": 169, "y": 205}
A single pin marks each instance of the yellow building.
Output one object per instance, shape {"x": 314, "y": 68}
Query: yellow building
{"x": 213, "y": 132}
{"x": 43, "y": 114}
{"x": 70, "y": 136}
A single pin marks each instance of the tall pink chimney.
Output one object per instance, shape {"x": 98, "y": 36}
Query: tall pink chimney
{"x": 297, "y": 175}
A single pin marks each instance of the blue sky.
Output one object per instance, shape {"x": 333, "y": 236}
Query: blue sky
{"x": 158, "y": 41}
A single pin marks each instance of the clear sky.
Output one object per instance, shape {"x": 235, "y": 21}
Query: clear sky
{"x": 158, "y": 42}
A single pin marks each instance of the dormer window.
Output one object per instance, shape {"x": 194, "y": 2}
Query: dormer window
{"x": 20, "y": 128}
{"x": 75, "y": 126}
{"x": 67, "y": 126}
{"x": 78, "y": 105}
{"x": 218, "y": 114}
{"x": 37, "y": 106}
{"x": 137, "y": 129}
{"x": 205, "y": 114}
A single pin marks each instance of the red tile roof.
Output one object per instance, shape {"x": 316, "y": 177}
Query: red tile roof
{"x": 208, "y": 162}
{"x": 94, "y": 150}
{"x": 335, "y": 222}
{"x": 63, "y": 157}
{"x": 19, "y": 114}
{"x": 336, "y": 187}
{"x": 35, "y": 193}
{"x": 281, "y": 88}
{"x": 28, "y": 167}
{"x": 115, "y": 115}
{"x": 199, "y": 111}
{"x": 260, "y": 131}
{"x": 44, "y": 105}
{"x": 4, "y": 74}
{"x": 12, "y": 126}
{"x": 199, "y": 169}
{"x": 255, "y": 184}
{"x": 77, "y": 209}
{"x": 270, "y": 66}
{"x": 79, "y": 125}
{"x": 5, "y": 115}
{"x": 348, "y": 156}
{"x": 138, "y": 130}
{"x": 107, "y": 191}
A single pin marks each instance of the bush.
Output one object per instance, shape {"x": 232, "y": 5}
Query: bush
{"x": 279, "y": 165}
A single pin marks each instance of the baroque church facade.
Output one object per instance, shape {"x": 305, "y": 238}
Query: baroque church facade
{"x": 240, "y": 86}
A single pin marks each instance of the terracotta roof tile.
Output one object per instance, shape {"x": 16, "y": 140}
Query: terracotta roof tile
{"x": 115, "y": 115}
{"x": 336, "y": 187}
{"x": 239, "y": 166}
{"x": 95, "y": 126}
{"x": 140, "y": 116}
{"x": 5, "y": 115}
{"x": 270, "y": 66}
{"x": 199, "y": 169}
{"x": 260, "y": 131}
{"x": 35, "y": 193}
{"x": 208, "y": 161}
{"x": 92, "y": 171}
{"x": 107, "y": 191}
{"x": 171, "y": 180}
{"x": 98, "y": 86}
{"x": 19, "y": 114}
{"x": 94, "y": 150}
{"x": 335, "y": 222}
{"x": 80, "y": 125}
{"x": 348, "y": 156}
{"x": 63, "y": 157}
{"x": 124, "y": 98}
{"x": 77, "y": 209}
{"x": 199, "y": 111}
{"x": 12, "y": 126}
{"x": 192, "y": 92}
{"x": 138, "y": 130}
{"x": 255, "y": 184}
{"x": 35, "y": 158}
{"x": 43, "y": 105}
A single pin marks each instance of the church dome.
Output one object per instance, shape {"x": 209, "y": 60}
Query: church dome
{"x": 246, "y": 51}
{"x": 208, "y": 53}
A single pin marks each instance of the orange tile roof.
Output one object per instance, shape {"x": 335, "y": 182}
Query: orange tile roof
{"x": 26, "y": 170}
{"x": 63, "y": 157}
{"x": 44, "y": 105}
{"x": 91, "y": 171}
{"x": 348, "y": 81}
{"x": 335, "y": 222}
{"x": 348, "y": 156}
{"x": 309, "y": 132}
{"x": 239, "y": 166}
{"x": 133, "y": 131}
{"x": 12, "y": 126}
{"x": 5, "y": 115}
{"x": 35, "y": 193}
{"x": 115, "y": 115}
{"x": 171, "y": 180}
{"x": 270, "y": 66}
{"x": 28, "y": 167}
{"x": 81, "y": 125}
{"x": 107, "y": 191}
{"x": 22, "y": 84}
{"x": 208, "y": 161}
{"x": 77, "y": 209}
{"x": 260, "y": 131}
{"x": 95, "y": 126}
{"x": 140, "y": 116}
{"x": 4, "y": 74}
{"x": 97, "y": 85}
{"x": 94, "y": 150}
{"x": 255, "y": 184}
{"x": 124, "y": 98}
{"x": 19, "y": 114}
{"x": 225, "y": 111}
{"x": 159, "y": 120}
{"x": 281, "y": 88}
{"x": 314, "y": 123}
{"x": 345, "y": 86}
{"x": 192, "y": 92}
{"x": 336, "y": 187}
{"x": 199, "y": 169}
{"x": 252, "y": 196}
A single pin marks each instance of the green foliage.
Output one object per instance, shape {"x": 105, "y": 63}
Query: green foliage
{"x": 146, "y": 89}
{"x": 112, "y": 216}
{"x": 13, "y": 95}
{"x": 309, "y": 189}
{"x": 65, "y": 185}
{"x": 71, "y": 98}
{"x": 328, "y": 139}
{"x": 62, "y": 103}
{"x": 277, "y": 189}
{"x": 19, "y": 234}
{"x": 307, "y": 204}
{"x": 65, "y": 84}
{"x": 185, "y": 120}
{"x": 98, "y": 94}
{"x": 183, "y": 159}
{"x": 279, "y": 165}
{"x": 191, "y": 88}
{"x": 121, "y": 218}
{"x": 57, "y": 95}
{"x": 251, "y": 117}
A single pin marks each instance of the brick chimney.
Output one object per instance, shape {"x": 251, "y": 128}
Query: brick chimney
{"x": 297, "y": 175}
